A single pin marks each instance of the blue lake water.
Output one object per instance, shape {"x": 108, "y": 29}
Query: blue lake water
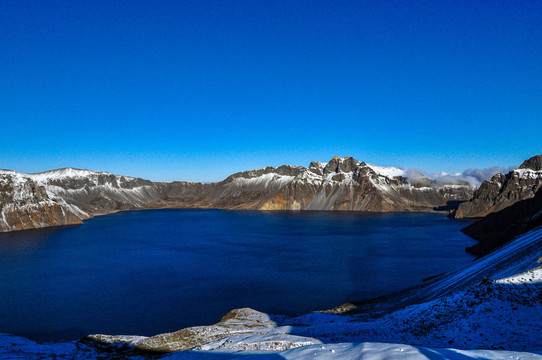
{"x": 153, "y": 271}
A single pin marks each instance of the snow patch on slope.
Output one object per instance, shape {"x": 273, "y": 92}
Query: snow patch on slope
{"x": 386, "y": 351}
{"x": 528, "y": 173}
{"x": 528, "y": 277}
{"x": 265, "y": 180}
{"x": 64, "y": 173}
{"x": 12, "y": 347}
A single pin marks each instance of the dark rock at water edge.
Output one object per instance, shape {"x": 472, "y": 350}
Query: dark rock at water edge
{"x": 498, "y": 228}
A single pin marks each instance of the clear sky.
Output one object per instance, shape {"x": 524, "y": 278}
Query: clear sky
{"x": 197, "y": 90}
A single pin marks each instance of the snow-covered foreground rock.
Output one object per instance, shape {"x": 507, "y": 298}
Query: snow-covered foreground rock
{"x": 494, "y": 304}
{"x": 26, "y": 349}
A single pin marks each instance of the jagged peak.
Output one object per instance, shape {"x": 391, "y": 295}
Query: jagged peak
{"x": 533, "y": 163}
{"x": 343, "y": 159}
{"x": 341, "y": 164}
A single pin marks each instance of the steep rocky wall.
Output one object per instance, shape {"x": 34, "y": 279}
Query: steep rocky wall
{"x": 498, "y": 228}
{"x": 24, "y": 204}
{"x": 503, "y": 191}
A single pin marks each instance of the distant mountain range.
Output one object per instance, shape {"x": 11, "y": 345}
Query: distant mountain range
{"x": 69, "y": 196}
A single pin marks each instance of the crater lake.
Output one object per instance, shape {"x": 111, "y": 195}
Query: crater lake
{"x": 154, "y": 271}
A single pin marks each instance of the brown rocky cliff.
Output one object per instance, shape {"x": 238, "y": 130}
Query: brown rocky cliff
{"x": 503, "y": 191}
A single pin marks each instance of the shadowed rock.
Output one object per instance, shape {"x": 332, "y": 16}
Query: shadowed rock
{"x": 498, "y": 228}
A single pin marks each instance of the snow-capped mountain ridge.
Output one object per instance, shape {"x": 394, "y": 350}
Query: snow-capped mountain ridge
{"x": 343, "y": 183}
{"x": 65, "y": 172}
{"x": 67, "y": 196}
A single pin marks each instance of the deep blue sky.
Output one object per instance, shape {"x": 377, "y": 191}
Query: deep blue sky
{"x": 197, "y": 90}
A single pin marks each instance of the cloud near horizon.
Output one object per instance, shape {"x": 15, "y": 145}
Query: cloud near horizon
{"x": 473, "y": 177}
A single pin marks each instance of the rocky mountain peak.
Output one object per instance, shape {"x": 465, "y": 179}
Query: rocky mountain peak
{"x": 340, "y": 164}
{"x": 503, "y": 191}
{"x": 534, "y": 163}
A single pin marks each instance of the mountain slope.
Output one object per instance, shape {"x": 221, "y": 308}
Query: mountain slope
{"x": 25, "y": 204}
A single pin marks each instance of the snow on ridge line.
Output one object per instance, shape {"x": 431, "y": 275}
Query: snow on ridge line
{"x": 58, "y": 174}
{"x": 252, "y": 171}
{"x": 388, "y": 171}
{"x": 72, "y": 172}
{"x": 265, "y": 179}
{"x": 61, "y": 173}
{"x": 528, "y": 173}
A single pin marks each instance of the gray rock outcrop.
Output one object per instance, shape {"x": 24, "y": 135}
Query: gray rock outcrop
{"x": 534, "y": 163}
{"x": 241, "y": 329}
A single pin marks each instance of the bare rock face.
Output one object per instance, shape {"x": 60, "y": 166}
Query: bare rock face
{"x": 186, "y": 194}
{"x": 504, "y": 190}
{"x": 534, "y": 163}
{"x": 340, "y": 165}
